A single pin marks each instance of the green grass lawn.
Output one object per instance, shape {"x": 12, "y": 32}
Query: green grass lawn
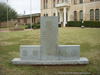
{"x": 88, "y": 39}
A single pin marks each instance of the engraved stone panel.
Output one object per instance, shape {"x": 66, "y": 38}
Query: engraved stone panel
{"x": 69, "y": 52}
{"x": 29, "y": 52}
{"x": 49, "y": 34}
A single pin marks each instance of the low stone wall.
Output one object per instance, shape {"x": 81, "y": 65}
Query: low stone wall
{"x": 10, "y": 24}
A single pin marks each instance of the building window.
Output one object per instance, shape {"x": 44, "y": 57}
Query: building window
{"x": 62, "y": 1}
{"x": 25, "y": 20}
{"x": 92, "y": 15}
{"x": 97, "y": 14}
{"x": 66, "y": 0}
{"x": 54, "y": 14}
{"x": 18, "y": 20}
{"x": 58, "y": 16}
{"x": 97, "y": 0}
{"x": 81, "y": 1}
{"x": 46, "y": 14}
{"x": 54, "y": 2}
{"x": 57, "y": 1}
{"x": 45, "y": 4}
{"x": 33, "y": 19}
{"x": 81, "y": 15}
{"x": 75, "y": 1}
{"x": 91, "y": 0}
{"x": 94, "y": 0}
{"x": 75, "y": 15}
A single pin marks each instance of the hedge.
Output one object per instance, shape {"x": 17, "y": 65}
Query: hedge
{"x": 34, "y": 26}
{"x": 86, "y": 24}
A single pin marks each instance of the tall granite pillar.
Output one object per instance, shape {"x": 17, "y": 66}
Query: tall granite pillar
{"x": 49, "y": 38}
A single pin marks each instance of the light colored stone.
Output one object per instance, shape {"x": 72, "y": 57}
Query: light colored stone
{"x": 30, "y": 52}
{"x": 65, "y": 52}
{"x": 69, "y": 52}
{"x": 49, "y": 38}
{"x": 49, "y": 52}
{"x": 18, "y": 61}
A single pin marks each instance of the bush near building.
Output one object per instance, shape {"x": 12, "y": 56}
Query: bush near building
{"x": 34, "y": 26}
{"x": 86, "y": 24}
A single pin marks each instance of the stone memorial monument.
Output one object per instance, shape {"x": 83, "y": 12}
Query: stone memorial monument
{"x": 49, "y": 52}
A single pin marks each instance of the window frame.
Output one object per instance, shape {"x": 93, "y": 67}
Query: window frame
{"x": 97, "y": 14}
{"x": 81, "y": 1}
{"x": 92, "y": 14}
{"x": 81, "y": 15}
{"x": 75, "y": 15}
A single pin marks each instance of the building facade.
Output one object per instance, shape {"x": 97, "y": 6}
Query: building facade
{"x": 22, "y": 20}
{"x": 71, "y": 10}
{"x": 27, "y": 19}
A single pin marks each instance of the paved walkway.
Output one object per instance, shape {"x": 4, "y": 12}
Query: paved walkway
{"x": 7, "y": 30}
{"x": 4, "y": 30}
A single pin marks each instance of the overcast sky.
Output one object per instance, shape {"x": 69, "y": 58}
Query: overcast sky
{"x": 24, "y": 5}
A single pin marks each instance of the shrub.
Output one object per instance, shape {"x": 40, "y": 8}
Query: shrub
{"x": 86, "y": 24}
{"x": 74, "y": 23}
{"x": 34, "y": 26}
{"x": 92, "y": 24}
{"x": 28, "y": 26}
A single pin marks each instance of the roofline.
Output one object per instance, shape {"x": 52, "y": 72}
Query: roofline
{"x": 28, "y": 15}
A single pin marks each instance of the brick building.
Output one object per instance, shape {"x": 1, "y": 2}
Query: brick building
{"x": 71, "y": 10}
{"x": 26, "y": 19}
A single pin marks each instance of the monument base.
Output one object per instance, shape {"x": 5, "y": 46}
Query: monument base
{"x": 81, "y": 61}
{"x": 68, "y": 54}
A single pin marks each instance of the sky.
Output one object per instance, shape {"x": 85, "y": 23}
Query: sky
{"x": 23, "y": 6}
